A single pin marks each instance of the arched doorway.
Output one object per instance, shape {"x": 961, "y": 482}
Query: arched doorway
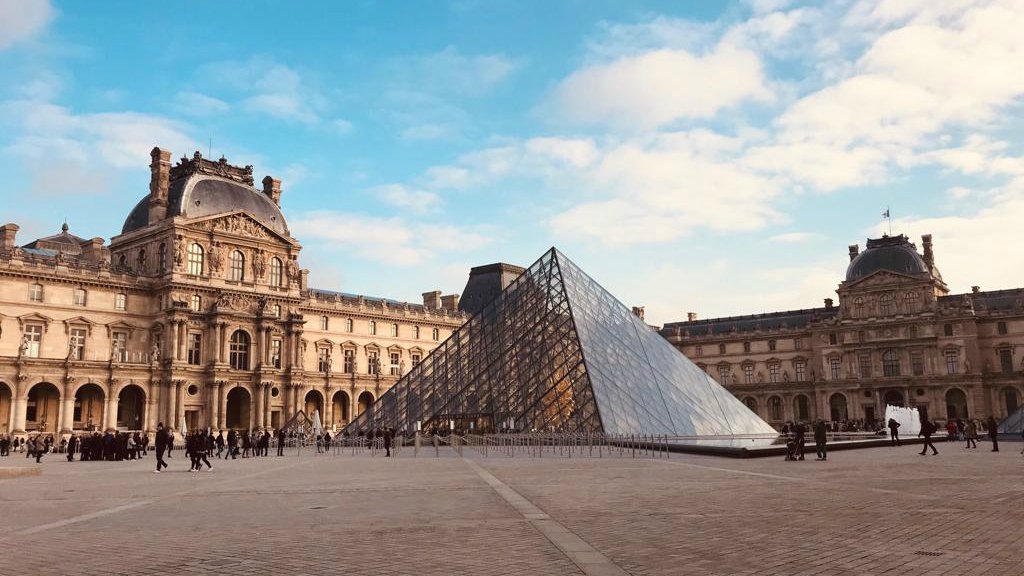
{"x": 802, "y": 407}
{"x": 365, "y": 401}
{"x": 340, "y": 408}
{"x": 89, "y": 407}
{"x": 893, "y": 398}
{"x": 837, "y": 407}
{"x": 1011, "y": 401}
{"x": 238, "y": 408}
{"x": 956, "y": 404}
{"x": 314, "y": 403}
{"x": 6, "y": 399}
{"x": 43, "y": 409}
{"x": 131, "y": 406}
{"x": 775, "y": 408}
{"x": 751, "y": 403}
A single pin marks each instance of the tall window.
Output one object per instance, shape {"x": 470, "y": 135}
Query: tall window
{"x": 236, "y": 263}
{"x": 801, "y": 370}
{"x": 79, "y": 298}
{"x": 161, "y": 258}
{"x": 912, "y": 332}
{"x": 952, "y": 362}
{"x": 194, "y": 348}
{"x": 771, "y": 345}
{"x": 323, "y": 358}
{"x": 349, "y": 325}
{"x": 35, "y": 293}
{"x": 748, "y": 374}
{"x": 78, "y": 343}
{"x": 275, "y": 353}
{"x": 862, "y": 336}
{"x": 394, "y": 330}
{"x": 197, "y": 303}
{"x": 947, "y": 329}
{"x": 373, "y": 362}
{"x": 917, "y": 363}
{"x": 773, "y": 372}
{"x": 395, "y": 364}
{"x": 276, "y": 310}
{"x": 858, "y": 307}
{"x": 865, "y": 365}
{"x": 798, "y": 344}
{"x": 142, "y": 261}
{"x": 1006, "y": 360}
{"x": 415, "y": 358}
{"x": 885, "y": 305}
{"x": 373, "y": 327}
{"x": 350, "y": 361}
{"x": 1001, "y": 328}
{"x": 275, "y": 272}
{"x": 34, "y": 335}
{"x": 833, "y": 339}
{"x": 120, "y": 301}
{"x": 698, "y": 350}
{"x": 746, "y": 346}
{"x": 325, "y": 323}
{"x": 195, "y": 259}
{"x": 775, "y": 408}
{"x": 890, "y": 363}
{"x": 436, "y": 334}
{"x": 239, "y": 350}
{"x": 120, "y": 346}
{"x": 910, "y": 302}
{"x": 416, "y": 332}
{"x": 836, "y": 367}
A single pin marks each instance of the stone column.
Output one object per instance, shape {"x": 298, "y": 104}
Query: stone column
{"x": 173, "y": 331}
{"x": 222, "y": 403}
{"x": 258, "y": 406}
{"x": 328, "y": 406}
{"x": 67, "y": 415}
{"x": 182, "y": 338}
{"x": 267, "y": 335}
{"x": 179, "y": 404}
{"x": 213, "y": 406}
{"x": 223, "y": 344}
{"x": 19, "y": 406}
{"x": 110, "y": 408}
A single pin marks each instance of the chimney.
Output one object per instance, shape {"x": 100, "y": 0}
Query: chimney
{"x": 272, "y": 188}
{"x": 432, "y": 300}
{"x": 8, "y": 232}
{"x": 450, "y": 302}
{"x": 92, "y": 250}
{"x": 638, "y": 311}
{"x": 854, "y": 250}
{"x": 159, "y": 182}
{"x": 829, "y": 303}
{"x": 929, "y": 256}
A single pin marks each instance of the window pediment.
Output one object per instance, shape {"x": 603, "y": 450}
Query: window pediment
{"x": 35, "y": 318}
{"x": 120, "y": 325}
{"x": 79, "y": 321}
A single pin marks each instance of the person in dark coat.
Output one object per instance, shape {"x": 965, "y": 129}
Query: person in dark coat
{"x": 220, "y": 443}
{"x": 232, "y": 444}
{"x": 72, "y": 447}
{"x": 162, "y": 442}
{"x": 927, "y": 429}
{"x": 800, "y": 431}
{"x": 894, "y": 432}
{"x": 386, "y": 434}
{"x": 281, "y": 436}
{"x": 993, "y": 433}
{"x": 820, "y": 439}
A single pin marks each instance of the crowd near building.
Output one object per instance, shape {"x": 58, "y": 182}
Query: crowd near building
{"x": 197, "y": 314}
{"x": 897, "y": 337}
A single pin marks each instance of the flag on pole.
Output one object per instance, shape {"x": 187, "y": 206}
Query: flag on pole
{"x": 886, "y": 213}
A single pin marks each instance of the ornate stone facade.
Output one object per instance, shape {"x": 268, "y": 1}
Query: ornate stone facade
{"x": 197, "y": 313}
{"x": 897, "y": 337}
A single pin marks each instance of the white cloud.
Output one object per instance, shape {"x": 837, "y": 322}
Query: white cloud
{"x": 473, "y": 74}
{"x": 281, "y": 105}
{"x": 198, "y": 104}
{"x": 393, "y": 241}
{"x": 660, "y": 87}
{"x": 794, "y": 237}
{"x": 264, "y": 86}
{"x": 20, "y": 21}
{"x": 405, "y": 198}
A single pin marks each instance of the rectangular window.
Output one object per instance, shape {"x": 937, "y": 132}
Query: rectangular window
{"x": 833, "y": 339}
{"x": 798, "y": 344}
{"x": 723, "y": 375}
{"x": 721, "y": 348}
{"x": 119, "y": 348}
{"x": 801, "y": 371}
{"x": 323, "y": 359}
{"x": 120, "y": 302}
{"x": 917, "y": 363}
{"x": 195, "y": 348}
{"x": 325, "y": 322}
{"x": 35, "y": 293}
{"x": 416, "y": 332}
{"x": 373, "y": 363}
{"x": 748, "y": 374}
{"x": 836, "y": 366}
{"x": 890, "y": 363}
{"x": 436, "y": 334}
{"x": 861, "y": 336}
{"x": 771, "y": 345}
{"x": 373, "y": 327}
{"x": 395, "y": 363}
{"x": 33, "y": 337}
{"x": 1006, "y": 360}
{"x": 947, "y": 329}
{"x": 952, "y": 362}
{"x": 746, "y": 346}
{"x": 275, "y": 353}
{"x": 394, "y": 330}
{"x": 698, "y": 351}
{"x": 773, "y": 372}
{"x": 415, "y": 359}
{"x": 865, "y": 365}
{"x": 349, "y": 326}
{"x": 1001, "y": 328}
{"x": 79, "y": 299}
{"x": 350, "y": 361}
{"x": 77, "y": 344}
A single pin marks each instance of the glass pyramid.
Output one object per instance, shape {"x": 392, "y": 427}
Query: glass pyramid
{"x": 556, "y": 352}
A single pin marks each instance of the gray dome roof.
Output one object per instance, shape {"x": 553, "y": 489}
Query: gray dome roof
{"x": 893, "y": 253}
{"x": 202, "y": 195}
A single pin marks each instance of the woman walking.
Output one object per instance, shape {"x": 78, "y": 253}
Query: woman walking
{"x": 971, "y": 433}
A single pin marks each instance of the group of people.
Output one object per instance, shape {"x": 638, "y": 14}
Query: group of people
{"x": 34, "y": 446}
{"x": 958, "y": 429}
{"x": 796, "y": 433}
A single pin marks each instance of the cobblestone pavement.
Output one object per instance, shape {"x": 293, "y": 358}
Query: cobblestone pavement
{"x": 875, "y": 511}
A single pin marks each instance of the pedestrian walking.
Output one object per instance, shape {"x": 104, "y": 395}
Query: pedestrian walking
{"x": 820, "y": 439}
{"x": 72, "y": 447}
{"x": 39, "y": 447}
{"x": 387, "y": 442}
{"x": 927, "y": 429}
{"x": 280, "y": 442}
{"x": 894, "y": 432}
{"x": 801, "y": 432}
{"x": 162, "y": 441}
{"x": 993, "y": 433}
{"x": 971, "y": 434}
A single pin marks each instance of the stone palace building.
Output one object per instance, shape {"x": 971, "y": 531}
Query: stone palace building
{"x": 896, "y": 337}
{"x": 198, "y": 313}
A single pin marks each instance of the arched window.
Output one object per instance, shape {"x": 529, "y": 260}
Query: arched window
{"x": 373, "y": 327}
{"x": 751, "y": 403}
{"x": 394, "y": 330}
{"x": 802, "y": 407}
{"x": 858, "y": 307}
{"x": 890, "y": 363}
{"x": 275, "y": 272}
{"x": 885, "y": 305}
{"x": 237, "y": 266}
{"x": 195, "y": 259}
{"x": 436, "y": 334}
{"x": 775, "y": 408}
{"x": 240, "y": 350}
{"x": 416, "y": 332}
{"x": 910, "y": 302}
{"x": 197, "y": 303}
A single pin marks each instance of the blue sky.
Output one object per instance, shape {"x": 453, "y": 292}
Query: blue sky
{"x": 691, "y": 156}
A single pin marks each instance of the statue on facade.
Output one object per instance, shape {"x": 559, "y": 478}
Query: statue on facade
{"x": 23, "y": 347}
{"x": 259, "y": 264}
{"x": 215, "y": 258}
{"x": 115, "y": 351}
{"x": 71, "y": 350}
{"x": 154, "y": 354}
{"x": 179, "y": 251}
{"x": 292, "y": 270}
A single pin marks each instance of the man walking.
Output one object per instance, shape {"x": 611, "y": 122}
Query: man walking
{"x": 161, "y": 445}
{"x": 993, "y": 433}
{"x": 894, "y": 432}
{"x": 801, "y": 440}
{"x": 820, "y": 438}
{"x": 927, "y": 429}
{"x": 387, "y": 442}
{"x": 72, "y": 446}
{"x": 280, "y": 442}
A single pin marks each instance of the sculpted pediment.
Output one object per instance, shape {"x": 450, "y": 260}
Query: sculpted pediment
{"x": 237, "y": 223}
{"x": 881, "y": 278}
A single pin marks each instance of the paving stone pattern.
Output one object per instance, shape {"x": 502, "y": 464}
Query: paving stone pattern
{"x": 866, "y": 512}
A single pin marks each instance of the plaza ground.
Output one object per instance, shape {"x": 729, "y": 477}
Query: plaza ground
{"x": 873, "y": 511}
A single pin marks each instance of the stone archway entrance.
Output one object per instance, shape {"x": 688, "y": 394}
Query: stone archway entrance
{"x": 6, "y": 401}
{"x": 956, "y": 404}
{"x": 89, "y": 408}
{"x": 42, "y": 411}
{"x": 340, "y": 408}
{"x": 314, "y": 402}
{"x": 837, "y": 407}
{"x": 239, "y": 406}
{"x": 365, "y": 401}
{"x": 131, "y": 408}
{"x": 893, "y": 398}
